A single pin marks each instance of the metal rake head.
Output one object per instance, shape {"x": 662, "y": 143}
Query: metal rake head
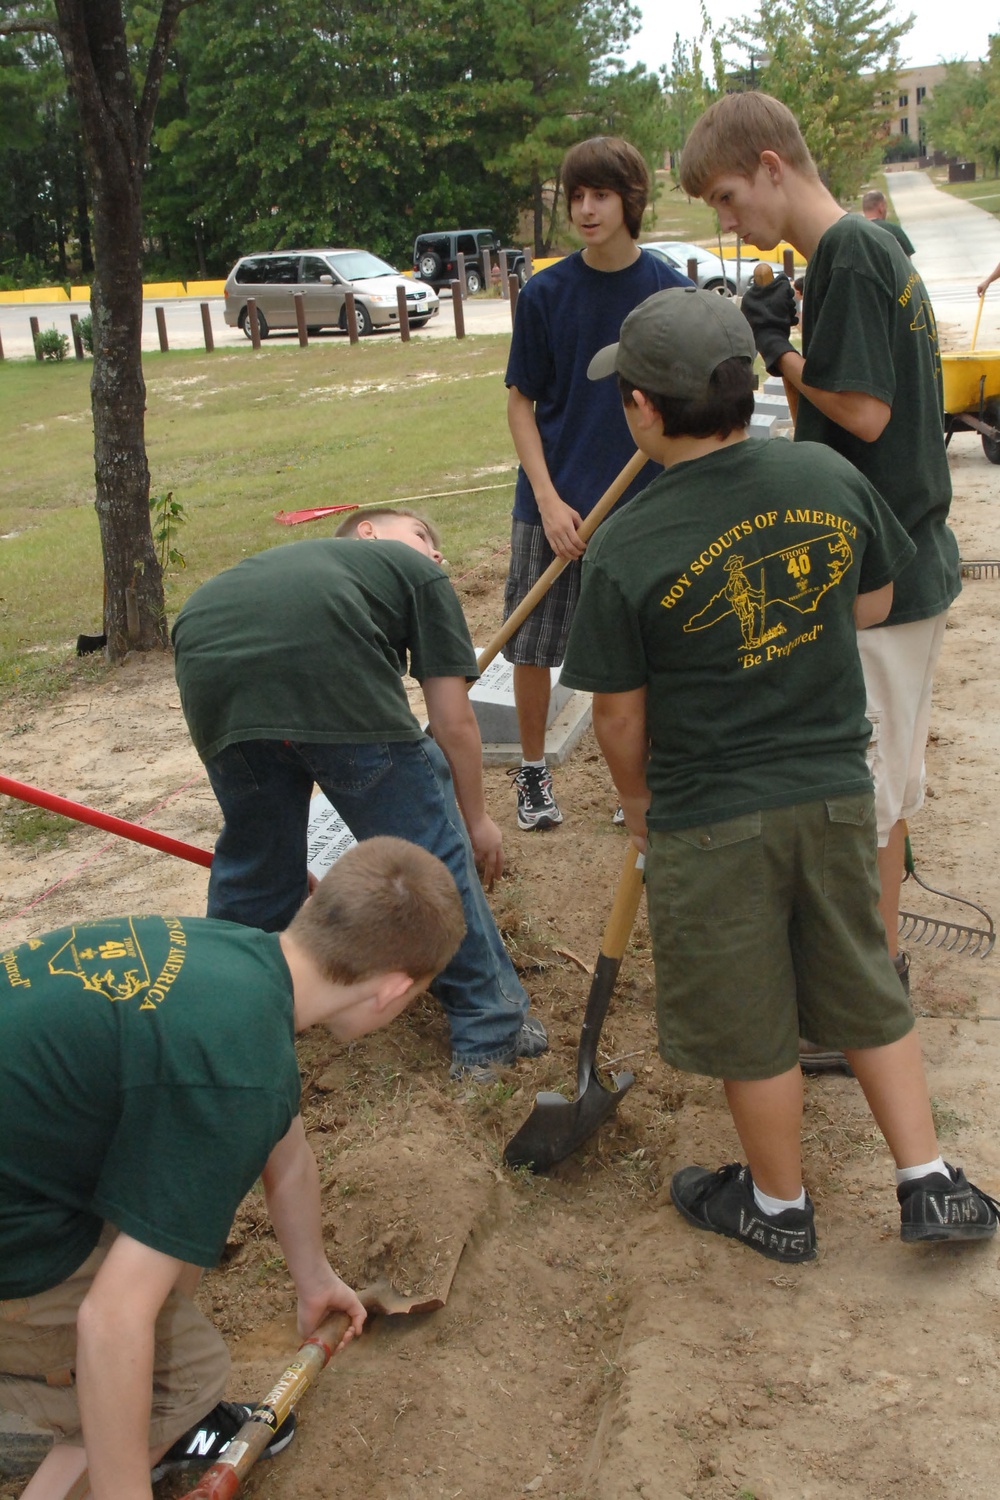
{"x": 953, "y": 937}
{"x": 980, "y": 567}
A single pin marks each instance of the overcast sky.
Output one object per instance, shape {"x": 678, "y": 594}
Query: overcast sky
{"x": 940, "y": 30}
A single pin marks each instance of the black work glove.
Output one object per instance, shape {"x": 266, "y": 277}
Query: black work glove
{"x": 770, "y": 311}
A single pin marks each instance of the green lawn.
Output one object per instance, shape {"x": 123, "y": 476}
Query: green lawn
{"x": 984, "y": 194}
{"x": 237, "y": 437}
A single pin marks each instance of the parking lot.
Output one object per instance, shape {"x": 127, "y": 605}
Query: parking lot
{"x": 184, "y": 330}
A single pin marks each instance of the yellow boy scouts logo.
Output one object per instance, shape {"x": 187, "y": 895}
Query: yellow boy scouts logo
{"x": 106, "y": 958}
{"x": 795, "y": 577}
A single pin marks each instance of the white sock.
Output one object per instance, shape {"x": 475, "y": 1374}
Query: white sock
{"x": 910, "y": 1174}
{"x": 539, "y": 765}
{"x": 772, "y": 1206}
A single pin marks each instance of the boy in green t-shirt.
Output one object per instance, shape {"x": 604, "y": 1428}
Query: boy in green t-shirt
{"x": 869, "y": 383}
{"x": 148, "y": 1077}
{"x": 716, "y": 630}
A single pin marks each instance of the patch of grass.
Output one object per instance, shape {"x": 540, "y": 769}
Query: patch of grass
{"x": 27, "y": 827}
{"x": 947, "y": 1121}
{"x": 236, "y": 438}
{"x": 985, "y": 193}
{"x": 675, "y": 216}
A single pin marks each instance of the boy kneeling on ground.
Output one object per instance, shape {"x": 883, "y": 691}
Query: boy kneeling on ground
{"x": 148, "y": 1077}
{"x": 716, "y": 630}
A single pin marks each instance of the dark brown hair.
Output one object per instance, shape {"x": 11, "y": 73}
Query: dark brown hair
{"x": 608, "y": 161}
{"x": 727, "y": 408}
{"x": 385, "y": 907}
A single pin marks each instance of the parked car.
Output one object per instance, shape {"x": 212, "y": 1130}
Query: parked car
{"x": 435, "y": 256}
{"x": 323, "y": 277}
{"x": 714, "y": 273}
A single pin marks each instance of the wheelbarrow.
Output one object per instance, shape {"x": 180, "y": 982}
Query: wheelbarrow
{"x": 972, "y": 394}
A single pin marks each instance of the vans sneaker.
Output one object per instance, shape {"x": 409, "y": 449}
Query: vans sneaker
{"x": 723, "y": 1201}
{"x": 945, "y": 1208}
{"x": 536, "y": 806}
{"x": 618, "y": 816}
{"x": 209, "y": 1438}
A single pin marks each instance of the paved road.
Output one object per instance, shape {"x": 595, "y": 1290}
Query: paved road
{"x": 183, "y": 317}
{"x": 957, "y": 244}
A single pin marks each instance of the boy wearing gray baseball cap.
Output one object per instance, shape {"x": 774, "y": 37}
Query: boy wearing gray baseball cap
{"x": 716, "y": 630}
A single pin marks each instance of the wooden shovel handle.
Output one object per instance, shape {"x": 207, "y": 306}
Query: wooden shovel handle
{"x": 225, "y": 1478}
{"x": 585, "y": 531}
{"x": 762, "y": 274}
{"x": 626, "y": 905}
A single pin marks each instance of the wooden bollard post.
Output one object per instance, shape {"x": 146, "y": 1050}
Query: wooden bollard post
{"x": 35, "y": 332}
{"x": 788, "y": 261}
{"x": 692, "y": 270}
{"x": 404, "y": 316}
{"x": 458, "y": 309}
{"x": 351, "y": 317}
{"x": 253, "y": 321}
{"x": 1, "y": 349}
{"x": 460, "y": 258}
{"x": 513, "y": 292}
{"x": 161, "y": 329}
{"x": 504, "y": 286}
{"x": 206, "y": 327}
{"x": 486, "y": 260}
{"x": 300, "y": 318}
{"x": 74, "y": 328}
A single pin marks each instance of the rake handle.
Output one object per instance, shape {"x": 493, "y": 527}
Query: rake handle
{"x": 83, "y": 814}
{"x": 585, "y": 531}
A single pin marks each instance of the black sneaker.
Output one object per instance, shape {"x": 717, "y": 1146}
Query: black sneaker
{"x": 723, "y": 1201}
{"x": 209, "y": 1438}
{"x": 536, "y": 806}
{"x": 945, "y": 1208}
{"x": 814, "y": 1060}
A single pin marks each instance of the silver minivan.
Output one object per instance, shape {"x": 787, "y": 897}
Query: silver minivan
{"x": 323, "y": 277}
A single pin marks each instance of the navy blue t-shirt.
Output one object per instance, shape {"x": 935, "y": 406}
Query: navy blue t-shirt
{"x": 564, "y": 315}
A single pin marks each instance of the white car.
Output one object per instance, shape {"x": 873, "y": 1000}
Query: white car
{"x": 714, "y": 273}
{"x": 323, "y": 277}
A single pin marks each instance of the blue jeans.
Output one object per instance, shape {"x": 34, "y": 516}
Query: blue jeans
{"x": 259, "y": 876}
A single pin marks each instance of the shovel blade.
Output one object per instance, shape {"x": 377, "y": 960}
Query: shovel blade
{"x": 557, "y": 1126}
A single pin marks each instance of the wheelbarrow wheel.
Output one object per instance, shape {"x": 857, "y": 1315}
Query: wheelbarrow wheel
{"x": 991, "y": 445}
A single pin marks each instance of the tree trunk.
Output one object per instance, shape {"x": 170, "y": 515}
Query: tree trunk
{"x": 82, "y": 215}
{"x": 115, "y": 135}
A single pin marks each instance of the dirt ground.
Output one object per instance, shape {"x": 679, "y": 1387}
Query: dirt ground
{"x": 593, "y": 1344}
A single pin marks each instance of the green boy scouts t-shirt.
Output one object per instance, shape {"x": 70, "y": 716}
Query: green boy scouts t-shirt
{"x": 726, "y": 590}
{"x": 147, "y": 1070}
{"x": 868, "y": 325}
{"x": 309, "y": 641}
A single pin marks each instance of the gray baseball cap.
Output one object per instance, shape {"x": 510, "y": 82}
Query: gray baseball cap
{"x": 673, "y": 342}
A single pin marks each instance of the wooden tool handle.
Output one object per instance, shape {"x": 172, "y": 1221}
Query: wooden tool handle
{"x": 225, "y": 1478}
{"x": 585, "y": 530}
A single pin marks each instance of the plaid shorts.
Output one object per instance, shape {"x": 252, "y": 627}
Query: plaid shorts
{"x": 541, "y": 640}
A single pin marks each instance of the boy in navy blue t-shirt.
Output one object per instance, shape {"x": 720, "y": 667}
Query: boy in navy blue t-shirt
{"x": 570, "y": 435}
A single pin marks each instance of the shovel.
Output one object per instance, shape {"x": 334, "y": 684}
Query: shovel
{"x": 557, "y": 1125}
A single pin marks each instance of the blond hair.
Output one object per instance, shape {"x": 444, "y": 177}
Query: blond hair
{"x": 730, "y": 136}
{"x": 385, "y": 907}
{"x": 349, "y": 527}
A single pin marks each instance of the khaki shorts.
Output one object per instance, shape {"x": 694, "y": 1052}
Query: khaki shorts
{"x": 38, "y": 1358}
{"x": 765, "y": 928}
{"x": 898, "y": 663}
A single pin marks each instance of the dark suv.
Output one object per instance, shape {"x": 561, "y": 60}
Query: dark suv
{"x": 435, "y": 257}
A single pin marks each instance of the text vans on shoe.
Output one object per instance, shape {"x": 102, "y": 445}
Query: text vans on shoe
{"x": 323, "y": 277}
